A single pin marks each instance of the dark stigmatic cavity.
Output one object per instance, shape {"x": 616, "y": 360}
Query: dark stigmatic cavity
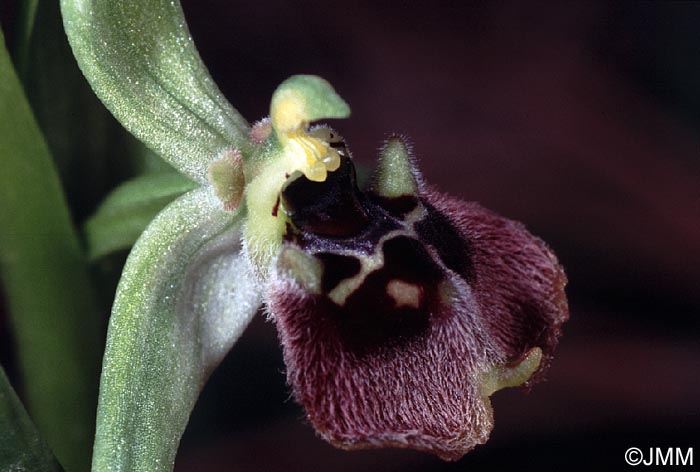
{"x": 330, "y": 208}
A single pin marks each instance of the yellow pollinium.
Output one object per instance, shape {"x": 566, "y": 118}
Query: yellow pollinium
{"x": 310, "y": 153}
{"x": 314, "y": 157}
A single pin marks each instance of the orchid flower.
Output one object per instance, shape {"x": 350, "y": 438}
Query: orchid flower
{"x": 400, "y": 310}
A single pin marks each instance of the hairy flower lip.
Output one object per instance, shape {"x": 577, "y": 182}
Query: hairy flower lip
{"x": 350, "y": 377}
{"x": 504, "y": 297}
{"x": 544, "y": 305}
{"x": 418, "y": 440}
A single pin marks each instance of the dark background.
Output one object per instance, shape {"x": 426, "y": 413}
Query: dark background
{"x": 579, "y": 119}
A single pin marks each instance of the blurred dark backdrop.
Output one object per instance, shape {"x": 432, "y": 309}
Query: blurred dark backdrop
{"x": 579, "y": 119}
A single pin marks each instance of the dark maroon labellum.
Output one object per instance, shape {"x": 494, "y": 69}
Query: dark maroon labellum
{"x": 423, "y": 303}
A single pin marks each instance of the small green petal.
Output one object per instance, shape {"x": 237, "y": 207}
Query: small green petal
{"x": 185, "y": 296}
{"x": 396, "y": 174}
{"x": 139, "y": 57}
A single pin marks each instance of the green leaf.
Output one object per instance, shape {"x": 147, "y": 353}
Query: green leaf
{"x": 140, "y": 60}
{"x": 185, "y": 296}
{"x": 21, "y": 447}
{"x": 128, "y": 210}
{"x": 25, "y": 26}
{"x": 44, "y": 275}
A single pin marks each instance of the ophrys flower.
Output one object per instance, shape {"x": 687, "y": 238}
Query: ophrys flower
{"x": 400, "y": 310}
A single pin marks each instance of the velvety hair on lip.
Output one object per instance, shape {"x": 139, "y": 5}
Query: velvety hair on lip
{"x": 428, "y": 305}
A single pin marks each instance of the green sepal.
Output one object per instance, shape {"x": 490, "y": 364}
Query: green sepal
{"x": 127, "y": 211}
{"x": 140, "y": 60}
{"x": 186, "y": 294}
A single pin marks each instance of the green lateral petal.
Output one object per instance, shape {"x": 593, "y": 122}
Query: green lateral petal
{"x": 185, "y": 296}
{"x": 21, "y": 447}
{"x": 128, "y": 210}
{"x": 140, "y": 60}
{"x": 396, "y": 174}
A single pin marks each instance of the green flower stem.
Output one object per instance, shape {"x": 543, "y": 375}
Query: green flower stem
{"x": 45, "y": 279}
{"x": 140, "y": 60}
